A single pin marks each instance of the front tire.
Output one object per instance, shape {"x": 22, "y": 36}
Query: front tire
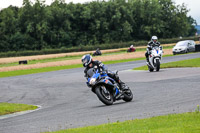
{"x": 104, "y": 95}
{"x": 157, "y": 65}
{"x": 128, "y": 95}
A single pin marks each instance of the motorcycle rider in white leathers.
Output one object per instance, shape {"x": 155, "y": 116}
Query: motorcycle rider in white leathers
{"x": 154, "y": 42}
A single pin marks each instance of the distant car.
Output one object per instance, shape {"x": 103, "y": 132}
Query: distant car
{"x": 184, "y": 47}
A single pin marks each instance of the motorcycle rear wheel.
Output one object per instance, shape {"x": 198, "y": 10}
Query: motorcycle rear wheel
{"x": 104, "y": 95}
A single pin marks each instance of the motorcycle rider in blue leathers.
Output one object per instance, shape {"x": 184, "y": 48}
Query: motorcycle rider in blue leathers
{"x": 88, "y": 63}
{"x": 152, "y": 43}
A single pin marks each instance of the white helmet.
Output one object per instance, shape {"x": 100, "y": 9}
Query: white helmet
{"x": 154, "y": 38}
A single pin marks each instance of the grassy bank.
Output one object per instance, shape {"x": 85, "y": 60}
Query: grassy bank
{"x": 42, "y": 61}
{"x": 173, "y": 123}
{"x": 48, "y": 69}
{"x": 89, "y": 47}
{"x": 8, "y": 108}
{"x": 38, "y": 70}
{"x": 184, "y": 63}
{"x": 72, "y": 57}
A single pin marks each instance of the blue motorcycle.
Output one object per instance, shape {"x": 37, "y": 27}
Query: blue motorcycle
{"x": 106, "y": 88}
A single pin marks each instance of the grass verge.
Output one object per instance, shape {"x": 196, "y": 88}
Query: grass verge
{"x": 173, "y": 123}
{"x": 8, "y": 108}
{"x": 184, "y": 63}
{"x": 48, "y": 69}
{"x": 38, "y": 70}
{"x": 43, "y": 60}
{"x": 71, "y": 57}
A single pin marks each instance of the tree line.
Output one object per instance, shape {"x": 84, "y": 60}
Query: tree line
{"x": 36, "y": 26}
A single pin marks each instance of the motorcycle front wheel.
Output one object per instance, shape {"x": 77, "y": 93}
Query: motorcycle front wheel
{"x": 157, "y": 65}
{"x": 128, "y": 95}
{"x": 104, "y": 95}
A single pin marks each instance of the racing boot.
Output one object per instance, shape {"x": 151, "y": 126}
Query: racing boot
{"x": 147, "y": 59}
{"x": 119, "y": 95}
{"x": 122, "y": 85}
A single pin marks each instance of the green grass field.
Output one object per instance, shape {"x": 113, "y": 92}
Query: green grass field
{"x": 48, "y": 69}
{"x": 56, "y": 59}
{"x": 8, "y": 108}
{"x": 173, "y": 123}
{"x": 71, "y": 57}
{"x": 43, "y": 60}
{"x": 184, "y": 63}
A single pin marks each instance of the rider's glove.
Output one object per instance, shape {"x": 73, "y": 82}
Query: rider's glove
{"x": 88, "y": 84}
{"x": 102, "y": 72}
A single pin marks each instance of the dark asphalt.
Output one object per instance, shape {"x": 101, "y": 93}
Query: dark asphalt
{"x": 68, "y": 103}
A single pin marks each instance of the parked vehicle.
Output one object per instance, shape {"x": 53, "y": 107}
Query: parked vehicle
{"x": 106, "y": 88}
{"x": 184, "y": 47}
{"x": 155, "y": 58}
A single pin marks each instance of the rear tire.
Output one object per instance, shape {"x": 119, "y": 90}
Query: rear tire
{"x": 106, "y": 98}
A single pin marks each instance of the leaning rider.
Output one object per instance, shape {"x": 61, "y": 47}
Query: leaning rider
{"x": 88, "y": 63}
{"x": 154, "y": 42}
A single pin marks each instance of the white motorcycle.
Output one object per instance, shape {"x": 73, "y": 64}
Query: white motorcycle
{"x": 155, "y": 58}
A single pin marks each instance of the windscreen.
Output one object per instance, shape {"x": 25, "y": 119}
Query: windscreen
{"x": 156, "y": 48}
{"x": 90, "y": 72}
{"x": 181, "y": 44}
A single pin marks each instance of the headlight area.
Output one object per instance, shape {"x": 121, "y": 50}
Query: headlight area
{"x": 92, "y": 81}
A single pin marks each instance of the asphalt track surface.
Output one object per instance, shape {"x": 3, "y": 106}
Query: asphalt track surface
{"x": 66, "y": 101}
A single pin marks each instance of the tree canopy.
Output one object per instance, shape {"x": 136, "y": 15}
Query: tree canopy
{"x": 38, "y": 26}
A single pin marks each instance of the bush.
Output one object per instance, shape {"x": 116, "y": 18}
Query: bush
{"x": 89, "y": 47}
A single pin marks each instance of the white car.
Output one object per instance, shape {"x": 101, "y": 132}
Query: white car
{"x": 184, "y": 47}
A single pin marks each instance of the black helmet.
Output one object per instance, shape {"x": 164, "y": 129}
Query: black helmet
{"x": 86, "y": 60}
